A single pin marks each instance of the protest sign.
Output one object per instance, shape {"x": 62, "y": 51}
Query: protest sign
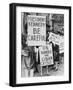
{"x": 46, "y": 55}
{"x": 54, "y": 38}
{"x": 61, "y": 46}
{"x": 36, "y": 30}
{"x": 57, "y": 39}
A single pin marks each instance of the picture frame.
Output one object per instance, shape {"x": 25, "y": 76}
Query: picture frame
{"x": 51, "y": 21}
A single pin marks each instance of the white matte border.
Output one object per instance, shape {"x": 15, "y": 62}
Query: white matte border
{"x": 65, "y": 77}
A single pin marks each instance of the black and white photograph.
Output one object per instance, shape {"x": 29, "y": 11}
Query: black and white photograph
{"x": 40, "y": 39}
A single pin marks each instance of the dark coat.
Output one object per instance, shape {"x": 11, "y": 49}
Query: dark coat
{"x": 55, "y": 52}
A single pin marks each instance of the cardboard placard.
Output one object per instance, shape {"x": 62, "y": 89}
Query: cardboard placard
{"x": 46, "y": 55}
{"x": 61, "y": 46}
{"x": 54, "y": 38}
{"x": 36, "y": 30}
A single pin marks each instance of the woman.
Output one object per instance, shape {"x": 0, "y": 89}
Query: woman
{"x": 29, "y": 61}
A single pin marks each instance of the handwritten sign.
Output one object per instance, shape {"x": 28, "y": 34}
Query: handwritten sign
{"x": 36, "y": 30}
{"x": 61, "y": 46}
{"x": 57, "y": 39}
{"x": 54, "y": 38}
{"x": 46, "y": 55}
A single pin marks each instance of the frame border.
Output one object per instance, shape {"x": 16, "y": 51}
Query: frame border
{"x": 12, "y": 42}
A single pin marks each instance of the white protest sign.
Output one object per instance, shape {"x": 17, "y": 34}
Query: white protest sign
{"x": 46, "y": 55}
{"x": 61, "y": 46}
{"x": 57, "y": 39}
{"x": 54, "y": 38}
{"x": 36, "y": 30}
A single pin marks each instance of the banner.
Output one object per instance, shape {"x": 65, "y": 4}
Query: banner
{"x": 46, "y": 55}
{"x": 36, "y": 30}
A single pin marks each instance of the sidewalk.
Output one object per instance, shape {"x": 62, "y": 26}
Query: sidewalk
{"x": 51, "y": 71}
